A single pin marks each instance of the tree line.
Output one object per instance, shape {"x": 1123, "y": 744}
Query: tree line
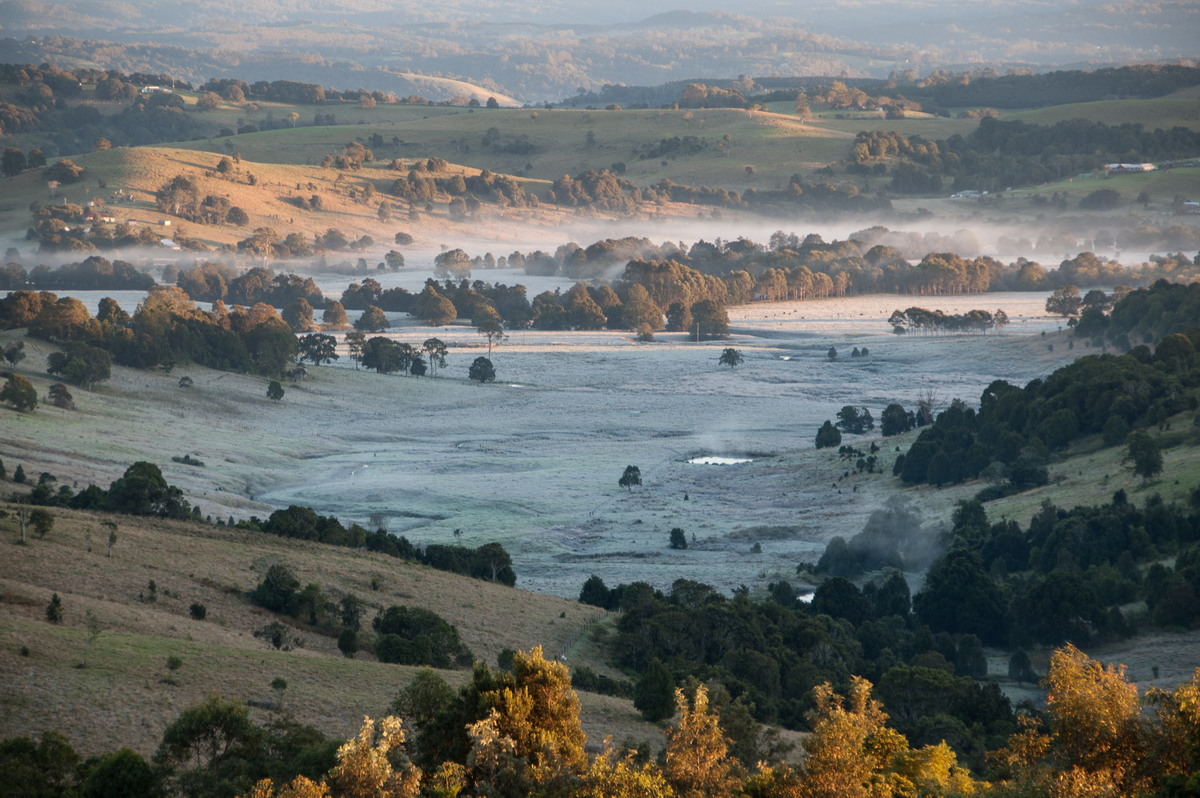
{"x": 1002, "y": 153}
{"x": 515, "y": 731}
{"x": 166, "y": 329}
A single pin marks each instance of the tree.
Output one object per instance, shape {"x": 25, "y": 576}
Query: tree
{"x": 730, "y": 357}
{"x": 435, "y": 349}
{"x": 841, "y": 757}
{"x": 632, "y": 476}
{"x": 13, "y": 162}
{"x": 14, "y": 353}
{"x": 454, "y": 263}
{"x": 895, "y": 420}
{"x": 81, "y": 364}
{"x": 61, "y": 397}
{"x": 364, "y": 768}
{"x": 334, "y": 316}
{"x": 697, "y": 761}
{"x": 639, "y": 310}
{"x": 828, "y": 436}
{"x": 1095, "y": 717}
{"x": 710, "y": 319}
{"x": 489, "y": 324}
{"x": 299, "y": 315}
{"x": 356, "y": 342}
{"x": 41, "y": 521}
{"x": 142, "y": 490}
{"x": 1065, "y": 301}
{"x": 213, "y": 744}
{"x": 856, "y": 420}
{"x": 482, "y": 370}
{"x": 372, "y": 320}
{"x": 1145, "y": 454}
{"x": 960, "y": 597}
{"x": 832, "y": 353}
{"x": 274, "y": 390}
{"x": 318, "y": 348}
{"x": 54, "y": 610}
{"x": 654, "y": 694}
{"x": 120, "y": 774}
{"x": 678, "y": 539}
{"x": 20, "y": 393}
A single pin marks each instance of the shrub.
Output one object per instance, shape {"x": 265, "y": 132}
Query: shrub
{"x": 198, "y": 611}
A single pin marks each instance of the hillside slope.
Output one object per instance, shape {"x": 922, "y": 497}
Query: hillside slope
{"x": 125, "y": 692}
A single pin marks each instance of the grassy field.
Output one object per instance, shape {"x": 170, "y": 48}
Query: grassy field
{"x": 1177, "y": 109}
{"x": 125, "y": 692}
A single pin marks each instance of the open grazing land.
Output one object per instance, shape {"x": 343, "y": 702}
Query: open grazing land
{"x": 533, "y": 460}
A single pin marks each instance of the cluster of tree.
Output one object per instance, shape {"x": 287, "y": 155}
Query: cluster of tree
{"x": 489, "y": 562}
{"x": 596, "y": 189}
{"x": 1066, "y": 576}
{"x": 1141, "y": 81}
{"x": 416, "y": 636}
{"x": 999, "y": 154}
{"x": 937, "y": 321}
{"x": 49, "y": 101}
{"x": 769, "y": 655}
{"x": 279, "y": 591}
{"x": 94, "y": 273}
{"x": 166, "y": 329}
{"x": 674, "y": 147}
{"x": 1015, "y": 429}
{"x": 486, "y": 186}
{"x": 65, "y": 228}
{"x": 211, "y": 281}
{"x": 14, "y": 161}
{"x": 516, "y": 732}
{"x": 1161, "y": 312}
{"x": 180, "y": 196}
{"x": 141, "y": 490}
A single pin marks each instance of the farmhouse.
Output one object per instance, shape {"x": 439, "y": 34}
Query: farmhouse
{"x": 1128, "y": 168}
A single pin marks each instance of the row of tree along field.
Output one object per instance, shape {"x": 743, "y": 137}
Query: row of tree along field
{"x": 144, "y": 491}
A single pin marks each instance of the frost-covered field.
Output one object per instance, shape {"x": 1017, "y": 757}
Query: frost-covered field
{"x": 533, "y": 460}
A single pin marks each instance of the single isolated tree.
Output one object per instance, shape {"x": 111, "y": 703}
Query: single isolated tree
{"x": 730, "y": 357}
{"x": 20, "y": 393}
{"x": 828, "y": 436}
{"x": 14, "y": 353}
{"x": 1145, "y": 455}
{"x": 372, "y": 320}
{"x": 435, "y": 350}
{"x": 631, "y": 477}
{"x": 678, "y": 539}
{"x": 41, "y": 521}
{"x": 54, "y": 610}
{"x": 832, "y": 353}
{"x": 482, "y": 370}
{"x": 274, "y": 391}
{"x": 489, "y": 324}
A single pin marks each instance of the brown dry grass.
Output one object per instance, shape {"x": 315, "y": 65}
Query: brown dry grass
{"x": 122, "y": 698}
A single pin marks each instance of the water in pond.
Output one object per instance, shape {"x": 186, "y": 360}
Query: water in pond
{"x": 717, "y": 460}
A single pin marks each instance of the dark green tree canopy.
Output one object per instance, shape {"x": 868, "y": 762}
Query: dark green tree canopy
{"x": 482, "y": 370}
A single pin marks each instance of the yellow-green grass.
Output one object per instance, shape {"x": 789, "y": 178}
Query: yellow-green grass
{"x": 142, "y": 171}
{"x": 124, "y": 695}
{"x": 774, "y": 143}
{"x": 1163, "y": 185}
{"x": 1178, "y": 109}
{"x": 1092, "y": 473}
